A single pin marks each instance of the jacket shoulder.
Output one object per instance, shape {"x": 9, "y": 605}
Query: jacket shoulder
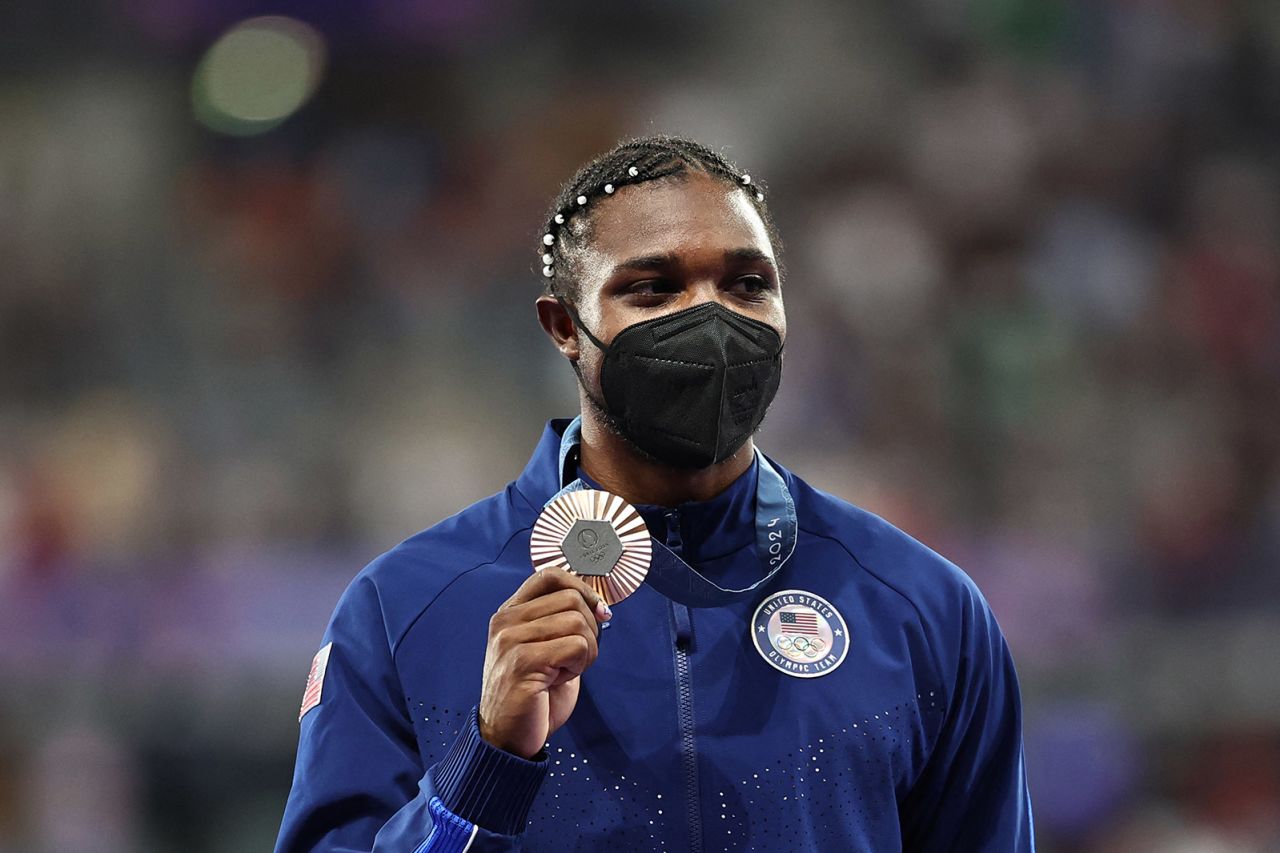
{"x": 939, "y": 590}
{"x": 397, "y": 586}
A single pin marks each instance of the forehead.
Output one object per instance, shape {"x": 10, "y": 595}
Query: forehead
{"x": 681, "y": 216}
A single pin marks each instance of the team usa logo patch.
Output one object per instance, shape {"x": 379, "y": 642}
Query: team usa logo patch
{"x": 800, "y": 633}
{"x": 315, "y": 681}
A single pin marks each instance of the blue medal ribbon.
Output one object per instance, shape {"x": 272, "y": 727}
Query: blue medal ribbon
{"x": 669, "y": 574}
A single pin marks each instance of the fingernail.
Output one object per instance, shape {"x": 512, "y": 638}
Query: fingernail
{"x": 603, "y": 613}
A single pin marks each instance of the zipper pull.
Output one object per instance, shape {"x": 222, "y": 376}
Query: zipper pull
{"x": 679, "y": 613}
{"x": 684, "y": 626}
{"x": 674, "y": 540}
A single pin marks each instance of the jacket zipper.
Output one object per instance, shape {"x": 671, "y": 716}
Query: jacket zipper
{"x": 683, "y": 622}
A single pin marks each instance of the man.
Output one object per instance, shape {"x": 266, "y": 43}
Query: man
{"x": 795, "y": 674}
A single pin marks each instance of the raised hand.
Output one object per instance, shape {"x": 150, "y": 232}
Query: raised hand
{"x": 541, "y": 639}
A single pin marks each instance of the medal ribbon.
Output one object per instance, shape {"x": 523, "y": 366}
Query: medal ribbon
{"x": 669, "y": 574}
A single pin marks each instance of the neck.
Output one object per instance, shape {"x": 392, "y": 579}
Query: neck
{"x": 619, "y": 468}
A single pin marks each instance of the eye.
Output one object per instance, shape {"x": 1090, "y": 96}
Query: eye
{"x": 751, "y": 285}
{"x": 651, "y": 287}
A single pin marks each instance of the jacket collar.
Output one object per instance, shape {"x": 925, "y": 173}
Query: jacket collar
{"x": 541, "y": 478}
{"x": 709, "y": 529}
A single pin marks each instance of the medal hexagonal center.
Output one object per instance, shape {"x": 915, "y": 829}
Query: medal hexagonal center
{"x": 592, "y": 547}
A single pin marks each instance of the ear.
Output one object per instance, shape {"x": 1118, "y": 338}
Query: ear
{"x": 558, "y": 325}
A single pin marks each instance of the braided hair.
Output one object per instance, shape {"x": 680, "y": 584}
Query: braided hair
{"x": 636, "y": 161}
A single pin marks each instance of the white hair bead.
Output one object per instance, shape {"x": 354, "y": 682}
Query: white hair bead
{"x": 547, "y": 258}
{"x": 633, "y": 171}
{"x": 759, "y": 196}
{"x": 559, "y": 218}
{"x": 547, "y": 271}
{"x": 746, "y": 179}
{"x": 608, "y": 189}
{"x": 548, "y": 239}
{"x": 582, "y": 201}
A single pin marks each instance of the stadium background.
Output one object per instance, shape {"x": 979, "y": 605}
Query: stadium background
{"x": 266, "y": 308}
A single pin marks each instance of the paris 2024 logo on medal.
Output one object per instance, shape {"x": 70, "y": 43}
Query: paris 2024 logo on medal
{"x": 800, "y": 633}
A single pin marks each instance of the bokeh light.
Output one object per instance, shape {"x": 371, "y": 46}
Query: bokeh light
{"x": 257, "y": 74}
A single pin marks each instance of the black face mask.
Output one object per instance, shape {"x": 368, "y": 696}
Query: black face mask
{"x": 689, "y": 388}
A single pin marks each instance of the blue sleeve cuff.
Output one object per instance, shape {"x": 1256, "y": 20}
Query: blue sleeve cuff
{"x": 449, "y": 833}
{"x": 487, "y": 786}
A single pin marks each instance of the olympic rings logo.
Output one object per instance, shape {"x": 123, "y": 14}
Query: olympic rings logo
{"x": 810, "y": 647}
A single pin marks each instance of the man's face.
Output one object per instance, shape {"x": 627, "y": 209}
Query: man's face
{"x": 661, "y": 247}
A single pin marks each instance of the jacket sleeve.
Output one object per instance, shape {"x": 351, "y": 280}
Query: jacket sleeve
{"x": 359, "y": 783}
{"x": 972, "y": 794}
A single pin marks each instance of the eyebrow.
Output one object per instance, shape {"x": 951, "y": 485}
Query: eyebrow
{"x": 753, "y": 255}
{"x": 671, "y": 259}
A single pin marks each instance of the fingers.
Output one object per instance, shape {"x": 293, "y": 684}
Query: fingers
{"x": 567, "y": 657}
{"x": 552, "y": 580}
{"x": 521, "y": 637}
{"x": 554, "y": 602}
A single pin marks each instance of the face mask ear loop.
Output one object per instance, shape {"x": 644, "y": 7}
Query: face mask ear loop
{"x": 577, "y": 322}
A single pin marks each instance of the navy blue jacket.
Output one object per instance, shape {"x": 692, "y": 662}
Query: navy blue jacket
{"x": 684, "y": 737}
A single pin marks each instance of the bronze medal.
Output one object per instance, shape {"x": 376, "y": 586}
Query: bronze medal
{"x": 597, "y": 536}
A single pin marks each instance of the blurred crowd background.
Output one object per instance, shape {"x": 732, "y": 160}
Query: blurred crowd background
{"x": 266, "y": 308}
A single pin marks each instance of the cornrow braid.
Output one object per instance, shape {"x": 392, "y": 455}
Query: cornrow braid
{"x": 635, "y": 161}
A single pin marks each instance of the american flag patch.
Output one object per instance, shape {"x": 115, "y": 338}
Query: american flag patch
{"x": 799, "y": 623}
{"x": 315, "y": 681}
